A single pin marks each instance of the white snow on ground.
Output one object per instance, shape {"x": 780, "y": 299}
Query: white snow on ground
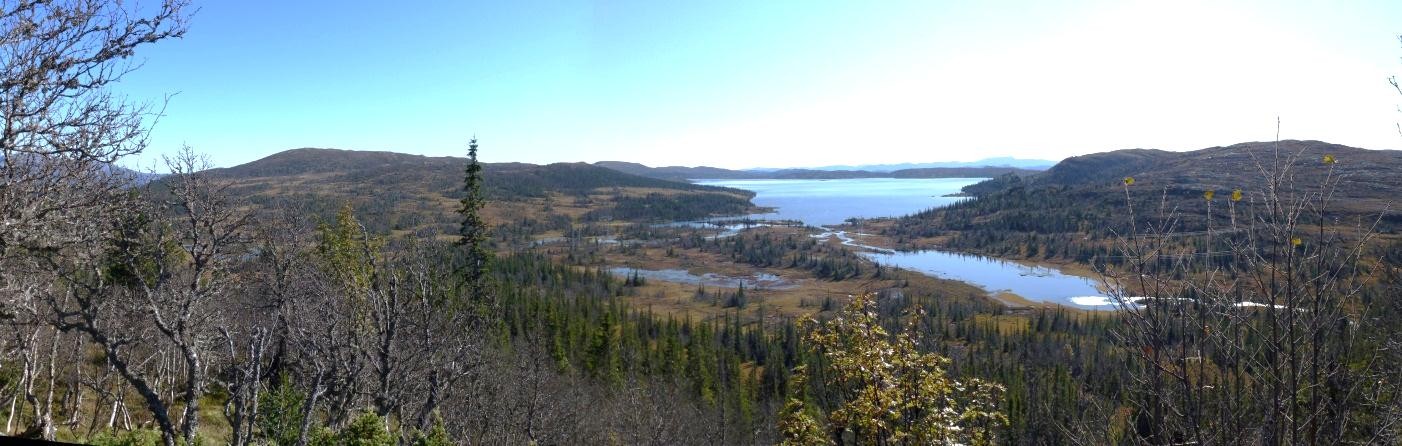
{"x": 1091, "y": 301}
{"x": 1106, "y": 301}
{"x": 1095, "y": 301}
{"x": 1258, "y": 304}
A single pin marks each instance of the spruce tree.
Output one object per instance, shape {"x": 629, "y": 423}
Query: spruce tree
{"x": 473, "y": 235}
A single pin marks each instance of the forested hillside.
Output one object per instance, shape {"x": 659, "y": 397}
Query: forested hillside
{"x": 1235, "y": 270}
{"x": 395, "y": 191}
{"x": 1073, "y": 210}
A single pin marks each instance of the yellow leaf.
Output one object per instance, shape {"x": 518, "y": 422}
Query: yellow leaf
{"x": 1329, "y": 159}
{"x": 1208, "y": 195}
{"x": 1236, "y": 195}
{"x": 1129, "y": 181}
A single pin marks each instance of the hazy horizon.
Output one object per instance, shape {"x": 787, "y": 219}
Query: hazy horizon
{"x": 777, "y": 84}
{"x": 151, "y": 163}
{"x": 149, "y": 158}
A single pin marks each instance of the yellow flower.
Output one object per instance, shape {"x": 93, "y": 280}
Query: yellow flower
{"x": 1129, "y": 181}
{"x": 1209, "y": 194}
{"x": 1236, "y": 195}
{"x": 1329, "y": 159}
{"x": 1296, "y": 241}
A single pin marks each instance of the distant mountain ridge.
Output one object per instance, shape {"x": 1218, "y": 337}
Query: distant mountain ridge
{"x": 681, "y": 173}
{"x": 1002, "y": 161}
{"x": 677, "y": 173}
{"x": 137, "y": 177}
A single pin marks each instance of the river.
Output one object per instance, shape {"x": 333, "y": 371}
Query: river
{"x": 823, "y": 203}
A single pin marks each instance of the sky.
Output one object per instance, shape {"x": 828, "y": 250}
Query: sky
{"x": 772, "y": 83}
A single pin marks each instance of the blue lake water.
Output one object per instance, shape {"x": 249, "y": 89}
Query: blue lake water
{"x": 1034, "y": 283}
{"x": 830, "y": 202}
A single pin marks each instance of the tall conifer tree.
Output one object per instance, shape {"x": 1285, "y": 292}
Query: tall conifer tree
{"x": 473, "y": 233}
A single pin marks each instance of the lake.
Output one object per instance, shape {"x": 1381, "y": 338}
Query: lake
{"x": 1039, "y": 284}
{"x": 830, "y": 202}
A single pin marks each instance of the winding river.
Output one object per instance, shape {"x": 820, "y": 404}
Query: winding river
{"x": 823, "y": 203}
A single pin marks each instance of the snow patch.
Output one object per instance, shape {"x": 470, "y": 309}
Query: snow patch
{"x": 1091, "y": 301}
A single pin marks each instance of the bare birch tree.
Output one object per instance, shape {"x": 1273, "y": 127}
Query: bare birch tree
{"x": 1263, "y": 337}
{"x": 60, "y": 130}
{"x": 160, "y": 293}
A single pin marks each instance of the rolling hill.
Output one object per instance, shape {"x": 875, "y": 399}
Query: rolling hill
{"x": 1367, "y": 178}
{"x": 679, "y": 173}
{"x": 504, "y": 180}
{"x": 1082, "y": 199}
{"x": 1213, "y": 164}
{"x": 395, "y": 191}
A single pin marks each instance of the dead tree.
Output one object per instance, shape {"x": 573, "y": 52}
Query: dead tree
{"x": 60, "y": 129}
{"x": 1264, "y": 337}
{"x": 447, "y": 338}
{"x": 160, "y": 292}
{"x": 257, "y": 338}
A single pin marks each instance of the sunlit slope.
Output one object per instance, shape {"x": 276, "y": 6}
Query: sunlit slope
{"x": 395, "y": 191}
{"x": 1070, "y": 210}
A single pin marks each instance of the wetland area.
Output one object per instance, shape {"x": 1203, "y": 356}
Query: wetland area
{"x": 823, "y": 204}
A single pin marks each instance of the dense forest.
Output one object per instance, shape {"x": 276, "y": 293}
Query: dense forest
{"x": 1074, "y": 211}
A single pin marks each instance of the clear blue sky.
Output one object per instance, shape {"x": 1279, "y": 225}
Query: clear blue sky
{"x": 771, "y": 83}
